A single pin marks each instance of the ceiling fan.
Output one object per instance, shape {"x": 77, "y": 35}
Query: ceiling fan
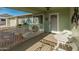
{"x": 46, "y": 10}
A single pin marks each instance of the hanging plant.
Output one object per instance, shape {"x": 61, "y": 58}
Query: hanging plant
{"x": 75, "y": 17}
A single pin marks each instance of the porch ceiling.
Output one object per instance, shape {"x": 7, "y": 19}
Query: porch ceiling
{"x": 35, "y": 9}
{"x": 29, "y": 9}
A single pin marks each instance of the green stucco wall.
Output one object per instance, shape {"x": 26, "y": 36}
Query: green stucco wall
{"x": 64, "y": 19}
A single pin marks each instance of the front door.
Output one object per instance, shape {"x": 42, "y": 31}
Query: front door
{"x": 53, "y": 23}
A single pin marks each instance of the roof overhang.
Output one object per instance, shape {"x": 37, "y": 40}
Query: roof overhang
{"x": 36, "y": 9}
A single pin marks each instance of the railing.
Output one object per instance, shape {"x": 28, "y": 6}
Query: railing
{"x": 15, "y": 37}
{"x": 10, "y": 40}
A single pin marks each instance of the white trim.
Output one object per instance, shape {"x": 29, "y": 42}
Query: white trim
{"x": 57, "y": 20}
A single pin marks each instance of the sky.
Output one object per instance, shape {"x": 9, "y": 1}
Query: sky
{"x": 12, "y": 11}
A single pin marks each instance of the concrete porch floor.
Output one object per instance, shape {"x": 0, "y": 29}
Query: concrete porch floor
{"x": 32, "y": 44}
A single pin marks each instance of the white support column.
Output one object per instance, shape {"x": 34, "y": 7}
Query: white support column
{"x": 7, "y": 23}
{"x": 16, "y": 21}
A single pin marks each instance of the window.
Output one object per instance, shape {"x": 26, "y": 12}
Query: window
{"x": 38, "y": 19}
{"x": 35, "y": 20}
{"x": 2, "y": 19}
{"x": 29, "y": 21}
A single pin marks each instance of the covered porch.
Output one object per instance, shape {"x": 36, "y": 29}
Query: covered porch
{"x": 50, "y": 18}
{"x": 41, "y": 23}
